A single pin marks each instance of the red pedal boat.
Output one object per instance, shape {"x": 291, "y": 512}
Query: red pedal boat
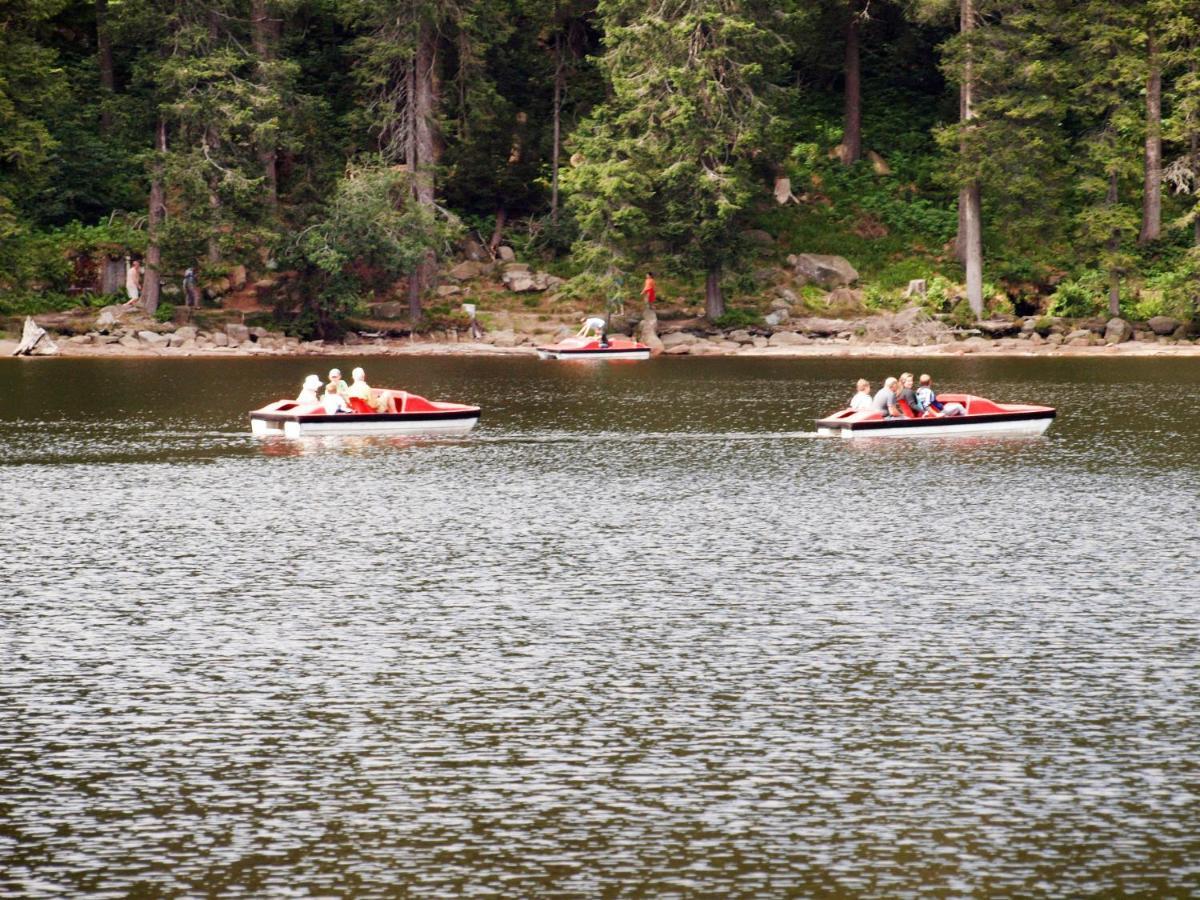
{"x": 414, "y": 415}
{"x": 982, "y": 416}
{"x": 590, "y": 348}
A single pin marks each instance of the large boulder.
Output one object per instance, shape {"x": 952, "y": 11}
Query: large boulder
{"x": 786, "y": 339}
{"x": 822, "y": 327}
{"x": 1117, "y": 331}
{"x": 998, "y": 328}
{"x": 1163, "y": 325}
{"x": 35, "y": 341}
{"x": 678, "y": 339}
{"x": 469, "y": 270}
{"x": 647, "y": 332}
{"x": 519, "y": 280}
{"x": 153, "y": 338}
{"x": 506, "y": 254}
{"x": 824, "y": 269}
{"x": 236, "y": 333}
{"x": 111, "y": 316}
{"x": 846, "y": 301}
{"x": 778, "y": 317}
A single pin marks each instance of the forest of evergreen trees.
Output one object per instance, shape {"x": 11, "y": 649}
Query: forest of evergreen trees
{"x": 1043, "y": 148}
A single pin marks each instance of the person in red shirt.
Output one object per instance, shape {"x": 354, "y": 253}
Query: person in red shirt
{"x": 648, "y": 289}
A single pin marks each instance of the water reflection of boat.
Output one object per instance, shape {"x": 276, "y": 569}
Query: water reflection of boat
{"x": 982, "y": 416}
{"x": 590, "y": 348}
{"x": 414, "y": 415}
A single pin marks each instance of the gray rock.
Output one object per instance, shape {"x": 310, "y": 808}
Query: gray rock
{"x": 185, "y": 332}
{"x": 520, "y": 282}
{"x": 741, "y": 336}
{"x": 975, "y": 345}
{"x": 1054, "y": 340}
{"x": 237, "y": 333}
{"x": 448, "y": 290}
{"x": 779, "y": 303}
{"x": 678, "y": 339}
{"x": 258, "y": 332}
{"x": 469, "y": 270}
{"x": 1079, "y": 333}
{"x": 504, "y": 339}
{"x": 220, "y": 339}
{"x": 821, "y": 327}
{"x": 129, "y": 342}
{"x": 1117, "y": 331}
{"x": 647, "y": 332}
{"x": 786, "y": 339}
{"x": 787, "y": 295}
{"x": 824, "y": 269}
{"x": 506, "y": 254}
{"x": 473, "y": 250}
{"x": 1163, "y": 325}
{"x": 677, "y": 350}
{"x": 999, "y": 327}
{"x": 760, "y": 341}
{"x": 778, "y": 317}
{"x": 111, "y": 315}
{"x": 153, "y": 338}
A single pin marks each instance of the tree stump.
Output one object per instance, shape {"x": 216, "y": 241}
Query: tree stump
{"x": 35, "y": 341}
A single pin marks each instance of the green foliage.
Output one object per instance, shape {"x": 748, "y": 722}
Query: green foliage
{"x": 738, "y": 318}
{"x": 372, "y": 234}
{"x": 1077, "y": 299}
{"x": 165, "y": 312}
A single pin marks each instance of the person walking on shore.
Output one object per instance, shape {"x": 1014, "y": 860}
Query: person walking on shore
{"x": 133, "y": 283}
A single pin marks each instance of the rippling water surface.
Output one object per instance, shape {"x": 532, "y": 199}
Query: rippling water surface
{"x": 640, "y": 633}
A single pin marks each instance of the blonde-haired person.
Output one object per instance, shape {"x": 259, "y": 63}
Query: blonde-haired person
{"x": 380, "y": 401}
{"x": 861, "y": 401}
{"x": 885, "y": 400}
{"x": 906, "y": 397}
{"x": 308, "y": 393}
{"x": 928, "y": 398}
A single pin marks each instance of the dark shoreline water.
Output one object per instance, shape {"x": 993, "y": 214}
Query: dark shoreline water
{"x": 639, "y": 633}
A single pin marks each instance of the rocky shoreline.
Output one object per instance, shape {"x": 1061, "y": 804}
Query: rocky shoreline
{"x": 116, "y": 332}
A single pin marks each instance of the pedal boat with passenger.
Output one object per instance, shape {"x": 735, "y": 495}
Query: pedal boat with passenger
{"x": 590, "y": 348}
{"x": 981, "y": 416}
{"x": 414, "y": 415}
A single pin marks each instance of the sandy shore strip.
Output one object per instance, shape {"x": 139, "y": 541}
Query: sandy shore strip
{"x": 816, "y": 349}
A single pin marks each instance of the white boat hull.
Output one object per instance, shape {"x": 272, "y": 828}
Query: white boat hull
{"x": 545, "y": 353}
{"x": 354, "y": 424}
{"x": 1021, "y": 427}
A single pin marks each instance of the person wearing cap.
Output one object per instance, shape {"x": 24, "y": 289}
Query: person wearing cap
{"x": 308, "y": 393}
{"x": 338, "y": 384}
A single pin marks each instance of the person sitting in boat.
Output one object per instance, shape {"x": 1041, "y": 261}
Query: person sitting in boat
{"x": 906, "y": 398}
{"x": 861, "y": 401}
{"x": 338, "y": 383}
{"x": 308, "y": 393}
{"x": 885, "y": 400}
{"x": 932, "y": 405}
{"x": 368, "y": 399}
{"x": 332, "y": 399}
{"x": 595, "y": 326}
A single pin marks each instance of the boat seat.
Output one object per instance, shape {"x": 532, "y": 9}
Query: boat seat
{"x": 359, "y": 405}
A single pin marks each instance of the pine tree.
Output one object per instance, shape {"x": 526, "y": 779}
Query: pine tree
{"x": 668, "y": 158}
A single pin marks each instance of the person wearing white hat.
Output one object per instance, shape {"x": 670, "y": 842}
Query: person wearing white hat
{"x": 308, "y": 393}
{"x": 338, "y": 383}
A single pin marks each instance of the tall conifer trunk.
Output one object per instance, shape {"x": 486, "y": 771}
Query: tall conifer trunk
{"x": 969, "y": 207}
{"x": 263, "y": 35}
{"x": 1114, "y": 243}
{"x": 852, "y": 103}
{"x": 556, "y": 150}
{"x": 714, "y": 301}
{"x": 155, "y": 214}
{"x": 1152, "y": 188}
{"x": 104, "y": 57}
{"x": 422, "y": 100}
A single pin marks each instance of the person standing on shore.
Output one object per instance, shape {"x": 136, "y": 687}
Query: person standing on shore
{"x": 133, "y": 282}
{"x": 649, "y": 288}
{"x": 191, "y": 293}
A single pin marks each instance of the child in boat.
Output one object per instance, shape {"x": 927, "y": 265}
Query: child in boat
{"x": 933, "y": 406}
{"x": 861, "y": 400}
{"x": 308, "y": 393}
{"x": 332, "y": 399}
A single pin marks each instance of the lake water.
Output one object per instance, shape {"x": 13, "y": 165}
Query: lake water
{"x": 640, "y": 633}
